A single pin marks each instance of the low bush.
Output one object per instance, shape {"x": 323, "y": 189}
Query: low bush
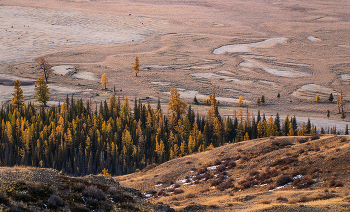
{"x": 226, "y": 185}
{"x": 283, "y": 180}
{"x": 188, "y": 196}
{"x": 21, "y": 196}
{"x": 282, "y": 199}
{"x": 78, "y": 187}
{"x": 303, "y": 182}
{"x": 285, "y": 161}
{"x": 178, "y": 191}
{"x": 177, "y": 185}
{"x": 217, "y": 162}
{"x": 303, "y": 140}
{"x": 202, "y": 170}
{"x": 315, "y": 137}
{"x": 231, "y": 165}
{"x": 94, "y": 193}
{"x": 3, "y": 198}
{"x": 18, "y": 206}
{"x": 265, "y": 202}
{"x": 254, "y": 172}
{"x": 333, "y": 184}
{"x": 55, "y": 201}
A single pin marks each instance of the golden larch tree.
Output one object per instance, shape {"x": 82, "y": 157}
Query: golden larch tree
{"x": 175, "y": 104}
{"x": 136, "y": 66}
{"x": 240, "y": 100}
{"x": 42, "y": 91}
{"x": 317, "y": 98}
{"x": 17, "y": 99}
{"x": 104, "y": 80}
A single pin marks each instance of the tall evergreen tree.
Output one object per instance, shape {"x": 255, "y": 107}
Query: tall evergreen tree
{"x": 17, "y": 99}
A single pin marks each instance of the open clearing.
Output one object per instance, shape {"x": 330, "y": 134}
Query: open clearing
{"x": 242, "y": 48}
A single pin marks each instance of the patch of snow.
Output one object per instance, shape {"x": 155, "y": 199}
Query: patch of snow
{"x": 345, "y": 76}
{"x": 225, "y": 72}
{"x": 201, "y": 67}
{"x": 181, "y": 181}
{"x": 279, "y": 187}
{"x": 242, "y": 48}
{"x": 62, "y": 69}
{"x": 148, "y": 195}
{"x": 278, "y": 71}
{"x": 212, "y": 167}
{"x": 160, "y": 184}
{"x": 297, "y": 176}
{"x": 313, "y": 39}
{"x": 161, "y": 83}
{"x": 157, "y": 66}
{"x": 345, "y": 46}
{"x": 84, "y": 75}
{"x": 312, "y": 88}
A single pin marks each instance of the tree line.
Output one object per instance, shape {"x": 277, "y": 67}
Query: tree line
{"x": 81, "y": 138}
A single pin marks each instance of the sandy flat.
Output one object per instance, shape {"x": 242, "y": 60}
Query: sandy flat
{"x": 242, "y": 48}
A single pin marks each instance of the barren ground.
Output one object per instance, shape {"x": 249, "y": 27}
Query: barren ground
{"x": 242, "y": 48}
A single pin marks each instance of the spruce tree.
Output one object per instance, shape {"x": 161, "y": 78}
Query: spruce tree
{"x": 17, "y": 99}
{"x": 346, "y": 130}
{"x": 330, "y": 98}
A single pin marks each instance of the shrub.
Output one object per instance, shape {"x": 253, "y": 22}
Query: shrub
{"x": 18, "y": 206}
{"x": 202, "y": 170}
{"x": 303, "y": 140}
{"x": 334, "y": 184}
{"x": 231, "y": 165}
{"x": 283, "y": 179}
{"x": 217, "y": 162}
{"x": 285, "y": 161}
{"x": 207, "y": 176}
{"x": 303, "y": 182}
{"x": 94, "y": 193}
{"x": 253, "y": 172}
{"x": 215, "y": 182}
{"x": 176, "y": 185}
{"x": 226, "y": 185}
{"x": 188, "y": 196}
{"x": 79, "y": 187}
{"x": 282, "y": 199}
{"x": 220, "y": 168}
{"x": 171, "y": 189}
{"x": 3, "y": 198}
{"x": 178, "y": 191}
{"x": 21, "y": 196}
{"x": 315, "y": 137}
{"x": 55, "y": 201}
{"x": 265, "y": 202}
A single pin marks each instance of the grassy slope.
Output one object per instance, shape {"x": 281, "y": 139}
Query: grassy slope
{"x": 260, "y": 163}
{"x": 39, "y": 189}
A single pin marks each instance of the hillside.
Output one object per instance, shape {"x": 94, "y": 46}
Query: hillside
{"x": 309, "y": 173}
{"x": 38, "y": 189}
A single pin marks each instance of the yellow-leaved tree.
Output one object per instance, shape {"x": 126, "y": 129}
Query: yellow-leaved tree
{"x": 317, "y": 98}
{"x": 42, "y": 91}
{"x": 136, "y": 66}
{"x": 176, "y": 105}
{"x": 104, "y": 80}
{"x": 240, "y": 100}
